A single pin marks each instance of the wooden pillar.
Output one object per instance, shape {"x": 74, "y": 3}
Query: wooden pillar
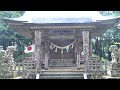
{"x": 78, "y": 54}
{"x": 86, "y": 48}
{"x": 46, "y": 54}
{"x": 38, "y": 51}
{"x": 33, "y": 53}
{"x": 33, "y": 42}
{"x": 90, "y": 48}
{"x": 75, "y": 51}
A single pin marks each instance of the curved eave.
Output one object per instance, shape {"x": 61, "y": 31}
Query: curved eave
{"x": 10, "y": 20}
{"x": 22, "y": 30}
{"x": 25, "y": 29}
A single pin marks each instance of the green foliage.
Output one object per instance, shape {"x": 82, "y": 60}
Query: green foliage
{"x": 108, "y": 38}
{"x": 8, "y": 14}
{"x": 102, "y": 59}
{"x": 9, "y": 37}
{"x": 19, "y": 57}
{"x": 2, "y": 57}
{"x": 110, "y": 13}
{"x": 4, "y": 66}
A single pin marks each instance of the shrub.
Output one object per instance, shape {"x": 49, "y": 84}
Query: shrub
{"x": 5, "y": 67}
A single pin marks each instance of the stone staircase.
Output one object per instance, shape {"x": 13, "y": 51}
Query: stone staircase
{"x": 61, "y": 75}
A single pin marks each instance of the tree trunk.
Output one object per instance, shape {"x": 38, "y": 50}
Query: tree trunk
{"x": 100, "y": 49}
{"x": 103, "y": 53}
{"x": 109, "y": 54}
{"x": 96, "y": 46}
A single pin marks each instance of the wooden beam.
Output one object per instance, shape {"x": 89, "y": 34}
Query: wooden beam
{"x": 14, "y": 23}
{"x": 62, "y": 37}
{"x": 38, "y": 51}
{"x": 86, "y": 47}
{"x": 52, "y": 27}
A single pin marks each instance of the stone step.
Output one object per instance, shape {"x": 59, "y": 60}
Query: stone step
{"x": 61, "y": 74}
{"x": 61, "y": 77}
{"x": 64, "y": 69}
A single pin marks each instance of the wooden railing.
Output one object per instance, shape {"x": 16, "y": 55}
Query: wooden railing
{"x": 29, "y": 65}
{"x": 92, "y": 65}
{"x": 61, "y": 63}
{"x": 25, "y": 67}
{"x": 95, "y": 65}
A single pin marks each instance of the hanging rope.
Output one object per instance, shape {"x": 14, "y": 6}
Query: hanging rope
{"x": 52, "y": 45}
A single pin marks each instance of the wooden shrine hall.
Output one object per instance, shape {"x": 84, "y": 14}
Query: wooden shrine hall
{"x": 62, "y": 38}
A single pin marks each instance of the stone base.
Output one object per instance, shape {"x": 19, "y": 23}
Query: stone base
{"x": 115, "y": 73}
{"x": 114, "y": 69}
{"x": 109, "y": 77}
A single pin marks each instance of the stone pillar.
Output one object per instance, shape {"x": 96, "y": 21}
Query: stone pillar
{"x": 86, "y": 48}
{"x": 38, "y": 51}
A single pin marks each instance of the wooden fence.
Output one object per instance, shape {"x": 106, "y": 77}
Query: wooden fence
{"x": 26, "y": 65}
{"x": 95, "y": 65}
{"x": 92, "y": 65}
